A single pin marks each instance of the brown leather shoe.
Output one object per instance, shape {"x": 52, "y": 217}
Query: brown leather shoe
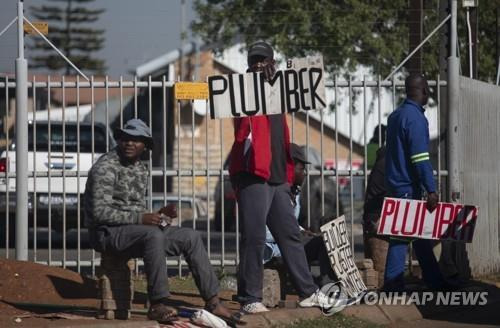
{"x": 162, "y": 313}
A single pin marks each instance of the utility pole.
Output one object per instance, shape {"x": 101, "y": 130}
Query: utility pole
{"x": 471, "y": 7}
{"x": 183, "y": 36}
{"x": 453, "y": 95}
{"x": 415, "y": 28}
{"x": 498, "y": 45}
{"x": 21, "y": 141}
{"x": 474, "y": 22}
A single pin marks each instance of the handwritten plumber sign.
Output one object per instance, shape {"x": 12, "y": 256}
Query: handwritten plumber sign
{"x": 300, "y": 87}
{"x": 410, "y": 218}
{"x": 336, "y": 239}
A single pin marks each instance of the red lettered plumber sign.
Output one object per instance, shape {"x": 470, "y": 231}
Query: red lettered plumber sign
{"x": 410, "y": 218}
{"x": 300, "y": 87}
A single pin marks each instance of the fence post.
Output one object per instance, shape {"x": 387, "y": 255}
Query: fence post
{"x": 21, "y": 142}
{"x": 456, "y": 253}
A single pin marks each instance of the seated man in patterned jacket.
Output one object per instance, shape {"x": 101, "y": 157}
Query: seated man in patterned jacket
{"x": 119, "y": 222}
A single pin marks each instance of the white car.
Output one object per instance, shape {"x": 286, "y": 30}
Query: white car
{"x": 51, "y": 161}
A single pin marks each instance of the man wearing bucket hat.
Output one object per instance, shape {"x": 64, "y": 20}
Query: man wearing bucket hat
{"x": 119, "y": 223}
{"x": 262, "y": 172}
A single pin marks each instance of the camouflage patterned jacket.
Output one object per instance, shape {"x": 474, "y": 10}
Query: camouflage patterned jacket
{"x": 115, "y": 193}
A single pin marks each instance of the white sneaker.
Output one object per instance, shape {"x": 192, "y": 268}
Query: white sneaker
{"x": 312, "y": 300}
{"x": 252, "y": 308}
{"x": 319, "y": 299}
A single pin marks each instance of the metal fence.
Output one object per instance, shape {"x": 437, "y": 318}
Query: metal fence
{"x": 479, "y": 120}
{"x": 60, "y": 175}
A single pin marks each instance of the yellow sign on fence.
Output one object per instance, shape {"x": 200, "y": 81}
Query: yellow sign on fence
{"x": 191, "y": 90}
{"x": 43, "y": 27}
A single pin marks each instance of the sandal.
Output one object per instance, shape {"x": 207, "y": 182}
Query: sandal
{"x": 232, "y": 319}
{"x": 162, "y": 313}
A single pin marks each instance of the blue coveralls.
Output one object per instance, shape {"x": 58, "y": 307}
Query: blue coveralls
{"x": 408, "y": 168}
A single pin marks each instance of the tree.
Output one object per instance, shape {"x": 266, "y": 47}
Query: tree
{"x": 346, "y": 32}
{"x": 69, "y": 31}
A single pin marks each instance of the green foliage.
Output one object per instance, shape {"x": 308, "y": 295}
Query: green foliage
{"x": 70, "y": 30}
{"x": 346, "y": 32}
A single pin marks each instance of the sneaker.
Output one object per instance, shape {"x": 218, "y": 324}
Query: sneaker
{"x": 319, "y": 299}
{"x": 255, "y": 307}
{"x": 312, "y": 300}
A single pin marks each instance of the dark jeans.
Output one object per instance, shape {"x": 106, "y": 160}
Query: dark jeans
{"x": 316, "y": 251}
{"x": 259, "y": 204}
{"x": 153, "y": 245}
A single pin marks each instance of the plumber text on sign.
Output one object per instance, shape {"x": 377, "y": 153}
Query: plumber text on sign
{"x": 410, "y": 218}
{"x": 300, "y": 87}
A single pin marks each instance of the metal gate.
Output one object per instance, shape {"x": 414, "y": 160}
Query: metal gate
{"x": 71, "y": 123}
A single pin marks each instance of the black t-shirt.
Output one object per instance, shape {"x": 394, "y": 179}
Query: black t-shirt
{"x": 278, "y": 152}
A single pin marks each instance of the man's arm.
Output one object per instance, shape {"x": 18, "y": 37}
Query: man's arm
{"x": 101, "y": 199}
{"x": 418, "y": 139}
{"x": 418, "y": 142}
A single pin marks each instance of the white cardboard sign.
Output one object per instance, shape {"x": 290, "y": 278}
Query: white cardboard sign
{"x": 337, "y": 244}
{"x": 300, "y": 87}
{"x": 410, "y": 218}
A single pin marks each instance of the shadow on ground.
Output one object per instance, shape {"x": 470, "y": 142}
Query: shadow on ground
{"x": 483, "y": 307}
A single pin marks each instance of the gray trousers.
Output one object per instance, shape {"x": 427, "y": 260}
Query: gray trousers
{"x": 153, "y": 245}
{"x": 259, "y": 204}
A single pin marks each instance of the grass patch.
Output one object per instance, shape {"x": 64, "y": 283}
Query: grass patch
{"x": 337, "y": 320}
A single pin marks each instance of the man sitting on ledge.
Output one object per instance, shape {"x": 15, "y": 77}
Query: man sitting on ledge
{"x": 119, "y": 223}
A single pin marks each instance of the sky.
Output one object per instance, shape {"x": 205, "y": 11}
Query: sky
{"x": 135, "y": 31}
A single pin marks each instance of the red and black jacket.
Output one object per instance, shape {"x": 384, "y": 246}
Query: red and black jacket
{"x": 251, "y": 151}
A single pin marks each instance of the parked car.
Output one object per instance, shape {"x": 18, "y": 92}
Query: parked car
{"x": 314, "y": 202}
{"x": 89, "y": 140}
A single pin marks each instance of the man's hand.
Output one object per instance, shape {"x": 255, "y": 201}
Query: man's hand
{"x": 432, "y": 200}
{"x": 151, "y": 218}
{"x": 169, "y": 210}
{"x": 269, "y": 69}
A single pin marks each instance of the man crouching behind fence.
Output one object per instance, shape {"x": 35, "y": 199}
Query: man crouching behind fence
{"x": 119, "y": 223}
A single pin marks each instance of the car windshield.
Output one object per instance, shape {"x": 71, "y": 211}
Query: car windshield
{"x": 71, "y": 138}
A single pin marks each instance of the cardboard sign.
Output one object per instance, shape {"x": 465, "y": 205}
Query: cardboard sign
{"x": 43, "y": 27}
{"x": 300, "y": 87}
{"x": 410, "y": 218}
{"x": 338, "y": 248}
{"x": 191, "y": 90}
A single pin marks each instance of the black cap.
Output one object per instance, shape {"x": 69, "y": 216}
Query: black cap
{"x": 260, "y": 48}
{"x": 298, "y": 154}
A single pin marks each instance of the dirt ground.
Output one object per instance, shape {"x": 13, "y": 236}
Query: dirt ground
{"x": 28, "y": 282}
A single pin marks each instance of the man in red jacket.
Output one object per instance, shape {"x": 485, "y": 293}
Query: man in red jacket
{"x": 262, "y": 172}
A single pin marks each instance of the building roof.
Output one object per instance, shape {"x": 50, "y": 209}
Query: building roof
{"x": 159, "y": 65}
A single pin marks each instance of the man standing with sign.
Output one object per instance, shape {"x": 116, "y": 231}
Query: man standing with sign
{"x": 408, "y": 168}
{"x": 262, "y": 171}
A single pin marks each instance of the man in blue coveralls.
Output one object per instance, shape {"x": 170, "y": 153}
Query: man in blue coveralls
{"x": 408, "y": 169}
